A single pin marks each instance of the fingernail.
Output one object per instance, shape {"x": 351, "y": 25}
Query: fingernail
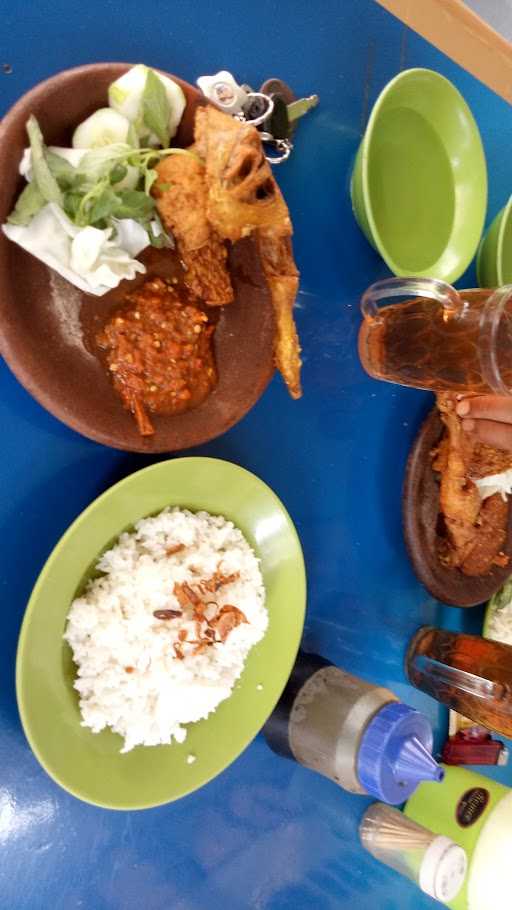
{"x": 463, "y": 408}
{"x": 468, "y": 425}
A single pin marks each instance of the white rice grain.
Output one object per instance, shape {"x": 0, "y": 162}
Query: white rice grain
{"x": 129, "y": 676}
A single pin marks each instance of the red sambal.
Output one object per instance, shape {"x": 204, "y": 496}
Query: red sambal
{"x": 158, "y": 348}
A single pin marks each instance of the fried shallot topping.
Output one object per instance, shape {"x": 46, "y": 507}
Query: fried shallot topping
{"x": 213, "y": 622}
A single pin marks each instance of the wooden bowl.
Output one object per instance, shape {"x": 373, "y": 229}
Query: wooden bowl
{"x": 420, "y": 512}
{"x": 43, "y": 318}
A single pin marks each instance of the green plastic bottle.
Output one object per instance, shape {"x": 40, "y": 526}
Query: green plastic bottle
{"x": 476, "y": 813}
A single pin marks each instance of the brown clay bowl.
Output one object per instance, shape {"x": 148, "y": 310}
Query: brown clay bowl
{"x": 44, "y": 320}
{"x": 420, "y": 512}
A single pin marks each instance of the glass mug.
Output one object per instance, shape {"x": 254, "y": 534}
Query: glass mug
{"x": 438, "y": 338}
{"x": 470, "y": 674}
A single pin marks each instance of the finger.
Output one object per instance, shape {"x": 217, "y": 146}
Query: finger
{"x": 495, "y": 434}
{"x": 487, "y": 407}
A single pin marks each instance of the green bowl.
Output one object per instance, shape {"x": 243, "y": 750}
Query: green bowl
{"x": 90, "y": 765}
{"x": 419, "y": 185}
{"x": 494, "y": 263}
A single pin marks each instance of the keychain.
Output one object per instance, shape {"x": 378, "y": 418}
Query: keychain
{"x": 274, "y": 110}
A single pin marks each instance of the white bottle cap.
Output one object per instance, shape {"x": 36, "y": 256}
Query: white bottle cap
{"x": 443, "y": 869}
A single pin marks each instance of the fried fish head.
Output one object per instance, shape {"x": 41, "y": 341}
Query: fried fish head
{"x": 243, "y": 195}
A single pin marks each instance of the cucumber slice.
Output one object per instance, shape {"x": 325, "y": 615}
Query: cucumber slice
{"x": 104, "y": 127}
{"x": 125, "y": 97}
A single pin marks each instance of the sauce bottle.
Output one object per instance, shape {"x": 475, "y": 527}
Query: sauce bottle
{"x": 357, "y": 734}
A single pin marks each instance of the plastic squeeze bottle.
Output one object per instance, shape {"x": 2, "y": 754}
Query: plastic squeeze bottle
{"x": 475, "y": 812}
{"x": 355, "y": 733}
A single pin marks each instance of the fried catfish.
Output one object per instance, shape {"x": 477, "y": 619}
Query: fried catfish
{"x": 476, "y": 529}
{"x": 244, "y": 200}
{"x": 181, "y": 199}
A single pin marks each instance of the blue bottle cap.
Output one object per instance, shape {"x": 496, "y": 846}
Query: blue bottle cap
{"x": 395, "y": 754}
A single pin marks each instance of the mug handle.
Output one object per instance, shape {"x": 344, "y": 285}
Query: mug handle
{"x": 410, "y": 287}
{"x": 464, "y": 681}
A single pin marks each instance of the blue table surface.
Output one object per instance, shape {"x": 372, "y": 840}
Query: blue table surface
{"x": 266, "y": 834}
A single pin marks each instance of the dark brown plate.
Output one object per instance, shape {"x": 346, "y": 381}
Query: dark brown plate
{"x": 420, "y": 511}
{"x": 42, "y": 316}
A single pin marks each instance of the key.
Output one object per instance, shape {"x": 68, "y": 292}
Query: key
{"x": 278, "y": 87}
{"x": 300, "y": 107}
{"x": 278, "y": 124}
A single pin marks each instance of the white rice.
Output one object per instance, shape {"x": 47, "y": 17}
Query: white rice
{"x": 129, "y": 675}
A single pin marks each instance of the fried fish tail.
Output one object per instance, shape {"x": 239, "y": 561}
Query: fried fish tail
{"x": 283, "y": 282}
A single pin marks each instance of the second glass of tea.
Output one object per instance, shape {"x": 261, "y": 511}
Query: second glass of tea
{"x": 438, "y": 338}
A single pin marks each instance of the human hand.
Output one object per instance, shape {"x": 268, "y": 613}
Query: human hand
{"x": 488, "y": 418}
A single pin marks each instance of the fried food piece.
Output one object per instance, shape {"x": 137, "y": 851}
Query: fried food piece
{"x": 283, "y": 282}
{"x": 227, "y": 619}
{"x": 242, "y": 193}
{"x": 487, "y": 461}
{"x": 459, "y": 497}
{"x": 243, "y": 200}
{"x": 490, "y": 537}
{"x": 476, "y": 530}
{"x": 181, "y": 200}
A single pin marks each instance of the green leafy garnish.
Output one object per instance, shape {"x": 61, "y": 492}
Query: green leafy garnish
{"x": 90, "y": 194}
{"x": 29, "y": 203}
{"x": 103, "y": 207}
{"x": 134, "y": 204}
{"x": 72, "y": 203}
{"x": 149, "y": 179}
{"x": 98, "y": 162}
{"x": 65, "y": 174}
{"x": 118, "y": 173}
{"x": 158, "y": 240}
{"x": 41, "y": 173}
{"x": 156, "y": 110}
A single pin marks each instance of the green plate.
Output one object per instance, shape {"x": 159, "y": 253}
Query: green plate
{"x": 419, "y": 186}
{"x": 89, "y": 765}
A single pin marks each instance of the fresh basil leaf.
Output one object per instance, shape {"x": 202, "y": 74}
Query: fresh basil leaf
{"x": 118, "y": 173}
{"x": 41, "y": 173}
{"x": 134, "y": 204}
{"x": 149, "y": 179}
{"x": 163, "y": 185}
{"x": 156, "y": 110}
{"x": 98, "y": 162}
{"x": 157, "y": 235}
{"x": 159, "y": 240}
{"x": 30, "y": 202}
{"x": 71, "y": 204}
{"x": 64, "y": 172}
{"x": 104, "y": 206}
